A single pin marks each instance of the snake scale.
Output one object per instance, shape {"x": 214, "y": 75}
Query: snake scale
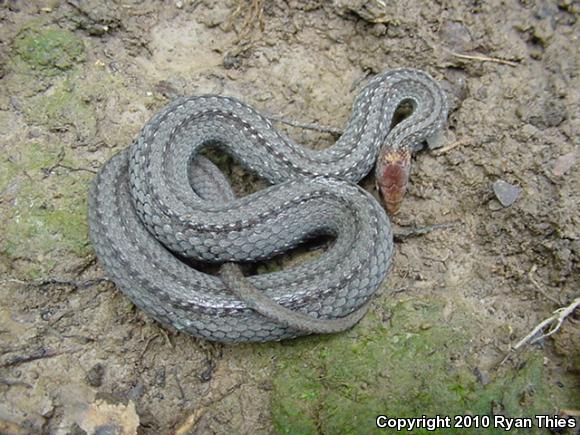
{"x": 158, "y": 206}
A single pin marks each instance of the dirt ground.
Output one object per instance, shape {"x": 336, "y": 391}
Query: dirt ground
{"x": 79, "y": 79}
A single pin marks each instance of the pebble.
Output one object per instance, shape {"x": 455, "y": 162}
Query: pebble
{"x": 231, "y": 61}
{"x": 456, "y": 36}
{"x": 563, "y": 164}
{"x": 95, "y": 375}
{"x": 506, "y": 193}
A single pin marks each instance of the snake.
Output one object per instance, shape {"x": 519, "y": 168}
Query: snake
{"x": 160, "y": 212}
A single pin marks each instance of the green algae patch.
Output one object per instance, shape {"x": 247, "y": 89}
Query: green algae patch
{"x": 73, "y": 103}
{"x": 46, "y": 217}
{"x": 44, "y": 222}
{"x": 63, "y": 108}
{"x": 410, "y": 367}
{"x": 48, "y": 51}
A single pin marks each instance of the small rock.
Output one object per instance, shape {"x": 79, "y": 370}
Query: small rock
{"x": 95, "y": 375}
{"x": 455, "y": 88}
{"x": 107, "y": 419}
{"x": 543, "y": 32}
{"x": 137, "y": 391}
{"x": 160, "y": 377}
{"x": 167, "y": 89}
{"x": 231, "y": 61}
{"x": 266, "y": 385}
{"x": 207, "y": 374}
{"x": 563, "y": 164}
{"x": 506, "y": 193}
{"x": 437, "y": 140}
{"x": 378, "y": 30}
{"x": 94, "y": 17}
{"x": 370, "y": 11}
{"x": 76, "y": 430}
{"x": 482, "y": 376}
{"x": 528, "y": 132}
{"x": 543, "y": 113}
{"x": 554, "y": 113}
{"x": 456, "y": 36}
{"x": 108, "y": 429}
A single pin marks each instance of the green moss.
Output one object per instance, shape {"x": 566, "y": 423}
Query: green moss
{"x": 47, "y": 217}
{"x": 340, "y": 384}
{"x": 40, "y": 224}
{"x": 297, "y": 415}
{"x": 62, "y": 108}
{"x": 44, "y": 223}
{"x": 73, "y": 103}
{"x": 48, "y": 51}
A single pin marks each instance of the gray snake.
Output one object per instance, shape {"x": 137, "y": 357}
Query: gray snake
{"x": 155, "y": 207}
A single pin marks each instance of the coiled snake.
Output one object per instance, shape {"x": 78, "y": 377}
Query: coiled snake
{"x": 158, "y": 203}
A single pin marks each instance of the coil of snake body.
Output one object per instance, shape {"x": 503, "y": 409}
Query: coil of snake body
{"x": 159, "y": 202}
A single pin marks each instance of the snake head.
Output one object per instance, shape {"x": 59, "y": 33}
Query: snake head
{"x": 392, "y": 176}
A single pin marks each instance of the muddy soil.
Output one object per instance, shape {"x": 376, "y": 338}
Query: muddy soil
{"x": 78, "y": 81}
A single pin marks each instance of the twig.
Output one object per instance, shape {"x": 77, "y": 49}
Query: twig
{"x": 11, "y": 383}
{"x": 91, "y": 262}
{"x": 555, "y": 322}
{"x": 71, "y": 169}
{"x": 39, "y": 354}
{"x": 59, "y": 160}
{"x": 58, "y": 164}
{"x": 258, "y": 8}
{"x": 146, "y": 347}
{"x": 56, "y": 281}
{"x": 190, "y": 422}
{"x": 482, "y": 58}
{"x": 569, "y": 412}
{"x": 312, "y": 126}
{"x": 181, "y": 392}
{"x": 167, "y": 338}
{"x": 451, "y": 146}
{"x": 401, "y": 235}
{"x": 255, "y": 12}
{"x": 539, "y": 288}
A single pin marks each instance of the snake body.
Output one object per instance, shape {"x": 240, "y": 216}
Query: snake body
{"x": 159, "y": 203}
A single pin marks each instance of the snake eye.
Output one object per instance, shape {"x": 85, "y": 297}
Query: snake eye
{"x": 392, "y": 176}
